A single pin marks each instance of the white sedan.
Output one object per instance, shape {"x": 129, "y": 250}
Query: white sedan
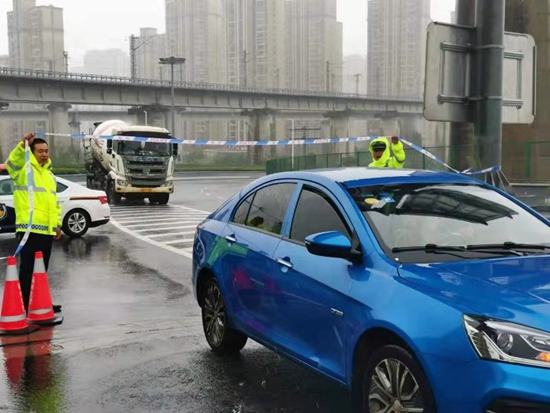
{"x": 81, "y": 208}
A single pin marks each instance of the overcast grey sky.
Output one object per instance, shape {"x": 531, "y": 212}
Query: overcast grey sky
{"x": 101, "y": 24}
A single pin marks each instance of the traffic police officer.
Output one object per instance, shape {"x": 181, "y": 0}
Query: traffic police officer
{"x": 46, "y": 218}
{"x": 381, "y": 155}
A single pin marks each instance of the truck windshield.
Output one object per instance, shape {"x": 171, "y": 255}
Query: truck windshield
{"x": 411, "y": 215}
{"x": 142, "y": 148}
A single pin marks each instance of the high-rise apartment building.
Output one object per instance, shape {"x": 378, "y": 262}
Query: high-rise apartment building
{"x": 150, "y": 47}
{"x": 35, "y": 40}
{"x": 36, "y": 36}
{"x": 195, "y": 30}
{"x": 397, "y": 47}
{"x": 255, "y": 42}
{"x": 314, "y": 45}
{"x": 255, "y": 33}
{"x": 355, "y": 74}
{"x": 108, "y": 62}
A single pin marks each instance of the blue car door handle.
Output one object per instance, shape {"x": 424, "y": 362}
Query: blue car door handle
{"x": 231, "y": 238}
{"x": 284, "y": 263}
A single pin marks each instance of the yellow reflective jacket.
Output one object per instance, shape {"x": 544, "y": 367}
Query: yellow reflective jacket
{"x": 47, "y": 210}
{"x": 386, "y": 160}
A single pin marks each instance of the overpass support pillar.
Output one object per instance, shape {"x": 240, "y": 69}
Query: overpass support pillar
{"x": 339, "y": 128}
{"x": 58, "y": 122}
{"x": 149, "y": 116}
{"x": 391, "y": 126}
{"x": 262, "y": 122}
{"x": 75, "y": 145}
{"x": 74, "y": 127}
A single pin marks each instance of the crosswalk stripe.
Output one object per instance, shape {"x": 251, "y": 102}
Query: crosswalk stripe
{"x": 176, "y": 223}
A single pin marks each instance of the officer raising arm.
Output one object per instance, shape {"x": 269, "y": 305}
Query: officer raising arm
{"x": 381, "y": 154}
{"x": 46, "y": 218}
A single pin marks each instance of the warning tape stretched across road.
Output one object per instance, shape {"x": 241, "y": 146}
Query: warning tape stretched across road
{"x": 297, "y": 142}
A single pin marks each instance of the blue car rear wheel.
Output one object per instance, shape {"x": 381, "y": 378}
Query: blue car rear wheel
{"x": 221, "y": 338}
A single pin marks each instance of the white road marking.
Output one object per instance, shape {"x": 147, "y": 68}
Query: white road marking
{"x": 145, "y": 221}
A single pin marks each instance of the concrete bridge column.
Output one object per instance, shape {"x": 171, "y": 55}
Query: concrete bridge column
{"x": 75, "y": 145}
{"x": 58, "y": 122}
{"x": 149, "y": 116}
{"x": 261, "y": 123}
{"x": 339, "y": 127}
{"x": 391, "y": 126}
{"x": 74, "y": 127}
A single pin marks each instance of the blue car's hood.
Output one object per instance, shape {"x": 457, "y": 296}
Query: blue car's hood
{"x": 515, "y": 289}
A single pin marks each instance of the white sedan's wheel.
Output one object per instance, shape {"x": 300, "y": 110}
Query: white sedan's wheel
{"x": 76, "y": 223}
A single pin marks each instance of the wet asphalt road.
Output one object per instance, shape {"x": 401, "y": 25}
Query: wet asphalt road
{"x": 132, "y": 337}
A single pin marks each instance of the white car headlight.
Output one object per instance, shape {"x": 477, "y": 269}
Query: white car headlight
{"x": 508, "y": 342}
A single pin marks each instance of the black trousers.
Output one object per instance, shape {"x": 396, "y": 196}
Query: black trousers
{"x": 36, "y": 242}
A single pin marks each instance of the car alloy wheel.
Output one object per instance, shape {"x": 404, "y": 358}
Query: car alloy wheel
{"x": 394, "y": 389}
{"x": 77, "y": 222}
{"x": 214, "y": 317}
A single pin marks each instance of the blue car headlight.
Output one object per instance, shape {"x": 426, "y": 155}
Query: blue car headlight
{"x": 508, "y": 342}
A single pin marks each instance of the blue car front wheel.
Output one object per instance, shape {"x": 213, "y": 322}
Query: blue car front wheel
{"x": 393, "y": 381}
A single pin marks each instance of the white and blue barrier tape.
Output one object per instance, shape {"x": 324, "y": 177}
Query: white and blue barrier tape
{"x": 298, "y": 142}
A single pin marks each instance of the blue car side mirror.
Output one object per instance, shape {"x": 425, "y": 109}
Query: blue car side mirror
{"x": 330, "y": 244}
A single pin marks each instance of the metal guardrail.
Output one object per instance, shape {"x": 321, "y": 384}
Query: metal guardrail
{"x": 86, "y": 77}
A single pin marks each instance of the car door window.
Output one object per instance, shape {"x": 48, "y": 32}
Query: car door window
{"x": 315, "y": 213}
{"x": 61, "y": 187}
{"x": 267, "y": 208}
{"x": 6, "y": 187}
{"x": 242, "y": 210}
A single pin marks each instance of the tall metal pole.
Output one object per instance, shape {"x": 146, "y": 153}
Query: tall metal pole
{"x": 327, "y": 81}
{"x": 490, "y": 73}
{"x": 133, "y": 49}
{"x": 172, "y": 61}
{"x": 173, "y": 130}
{"x": 462, "y": 134}
{"x": 292, "y": 144}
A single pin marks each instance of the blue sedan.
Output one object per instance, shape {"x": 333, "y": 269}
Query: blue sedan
{"x": 419, "y": 291}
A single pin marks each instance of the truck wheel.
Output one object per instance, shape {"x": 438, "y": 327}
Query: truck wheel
{"x": 114, "y": 197}
{"x": 162, "y": 199}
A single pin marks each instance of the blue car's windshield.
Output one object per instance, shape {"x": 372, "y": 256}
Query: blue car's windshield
{"x": 446, "y": 215}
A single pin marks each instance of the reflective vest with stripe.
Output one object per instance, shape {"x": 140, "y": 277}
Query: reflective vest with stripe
{"x": 47, "y": 210}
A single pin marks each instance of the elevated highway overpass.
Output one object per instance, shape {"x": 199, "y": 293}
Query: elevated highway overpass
{"x": 60, "y": 90}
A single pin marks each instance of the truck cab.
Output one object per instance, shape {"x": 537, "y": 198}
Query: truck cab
{"x": 126, "y": 166}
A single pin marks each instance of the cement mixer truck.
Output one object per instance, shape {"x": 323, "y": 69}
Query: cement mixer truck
{"x": 127, "y": 168}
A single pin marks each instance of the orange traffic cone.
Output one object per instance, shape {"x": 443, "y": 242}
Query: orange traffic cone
{"x": 40, "y": 305}
{"x": 13, "y": 319}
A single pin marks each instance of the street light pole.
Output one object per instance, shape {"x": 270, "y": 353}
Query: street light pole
{"x": 292, "y": 144}
{"x": 172, "y": 61}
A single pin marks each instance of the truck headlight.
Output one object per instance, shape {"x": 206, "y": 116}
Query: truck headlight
{"x": 121, "y": 182}
{"x": 508, "y": 342}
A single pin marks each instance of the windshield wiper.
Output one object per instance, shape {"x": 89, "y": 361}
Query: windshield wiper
{"x": 507, "y": 246}
{"x": 430, "y": 248}
{"x": 442, "y": 249}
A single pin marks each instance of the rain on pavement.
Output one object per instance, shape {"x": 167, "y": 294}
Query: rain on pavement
{"x": 132, "y": 337}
